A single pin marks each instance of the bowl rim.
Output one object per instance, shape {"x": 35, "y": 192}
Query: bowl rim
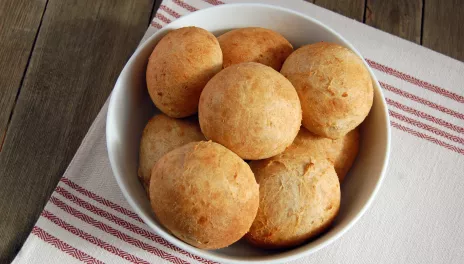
{"x": 279, "y": 257}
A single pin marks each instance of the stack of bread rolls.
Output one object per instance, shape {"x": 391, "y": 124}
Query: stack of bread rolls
{"x": 275, "y": 135}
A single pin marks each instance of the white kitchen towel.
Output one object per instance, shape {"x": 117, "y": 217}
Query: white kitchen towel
{"x": 417, "y": 217}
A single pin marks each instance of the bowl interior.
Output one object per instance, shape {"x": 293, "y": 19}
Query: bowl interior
{"x": 130, "y": 108}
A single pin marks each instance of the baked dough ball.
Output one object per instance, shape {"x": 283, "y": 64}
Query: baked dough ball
{"x": 204, "y": 194}
{"x": 161, "y": 135}
{"x": 334, "y": 86}
{"x": 340, "y": 152}
{"x": 251, "y": 109}
{"x": 299, "y": 199}
{"x": 254, "y": 44}
{"x": 181, "y": 64}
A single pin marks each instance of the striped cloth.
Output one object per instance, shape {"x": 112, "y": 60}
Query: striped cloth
{"x": 416, "y": 217}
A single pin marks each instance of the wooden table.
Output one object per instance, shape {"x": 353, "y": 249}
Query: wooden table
{"x": 59, "y": 60}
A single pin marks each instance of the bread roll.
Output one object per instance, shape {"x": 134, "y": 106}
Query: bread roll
{"x": 181, "y": 64}
{"x": 161, "y": 135}
{"x": 204, "y": 194}
{"x": 334, "y": 86}
{"x": 299, "y": 199}
{"x": 254, "y": 44}
{"x": 251, "y": 109}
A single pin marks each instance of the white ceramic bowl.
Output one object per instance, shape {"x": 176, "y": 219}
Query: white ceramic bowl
{"x": 130, "y": 108}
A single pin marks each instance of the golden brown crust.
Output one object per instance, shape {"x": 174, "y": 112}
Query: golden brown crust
{"x": 334, "y": 86}
{"x": 204, "y": 194}
{"x": 340, "y": 152}
{"x": 251, "y": 109}
{"x": 299, "y": 199}
{"x": 161, "y": 135}
{"x": 181, "y": 64}
{"x": 254, "y": 44}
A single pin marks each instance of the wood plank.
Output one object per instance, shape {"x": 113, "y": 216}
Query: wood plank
{"x": 80, "y": 50}
{"x": 443, "y": 28}
{"x": 18, "y": 31}
{"x": 400, "y": 18}
{"x": 349, "y": 8}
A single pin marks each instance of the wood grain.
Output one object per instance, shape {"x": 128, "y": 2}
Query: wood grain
{"x": 443, "y": 28}
{"x": 400, "y": 18}
{"x": 349, "y": 8}
{"x": 18, "y": 30}
{"x": 80, "y": 50}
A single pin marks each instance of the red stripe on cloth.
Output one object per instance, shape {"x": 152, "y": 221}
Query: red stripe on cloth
{"x": 422, "y": 101}
{"x": 155, "y": 24}
{"x": 163, "y": 18}
{"x": 429, "y": 128}
{"x": 121, "y": 222}
{"x": 94, "y": 240}
{"x": 427, "y": 137}
{"x": 184, "y": 5}
{"x": 114, "y": 232}
{"x": 214, "y": 2}
{"x": 100, "y": 199}
{"x": 425, "y": 116}
{"x": 64, "y": 247}
{"x": 170, "y": 11}
{"x": 413, "y": 80}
